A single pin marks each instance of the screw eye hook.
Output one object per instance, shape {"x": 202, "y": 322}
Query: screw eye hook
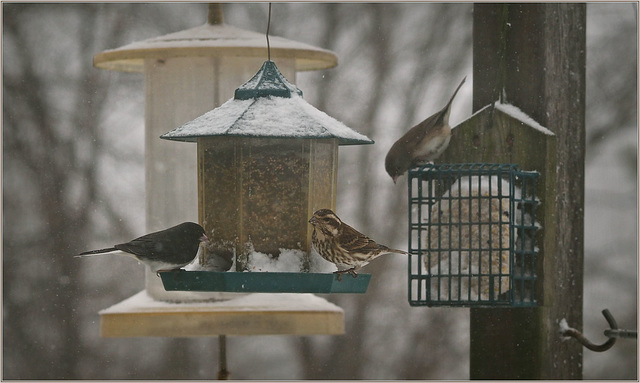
{"x": 571, "y": 332}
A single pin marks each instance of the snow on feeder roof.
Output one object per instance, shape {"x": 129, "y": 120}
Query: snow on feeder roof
{"x": 213, "y": 40}
{"x": 267, "y": 106}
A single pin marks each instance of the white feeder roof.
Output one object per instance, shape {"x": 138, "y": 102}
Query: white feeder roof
{"x": 267, "y": 106}
{"x": 213, "y": 40}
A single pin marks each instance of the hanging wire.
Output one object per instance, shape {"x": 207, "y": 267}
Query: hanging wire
{"x": 501, "y": 80}
{"x": 269, "y": 26}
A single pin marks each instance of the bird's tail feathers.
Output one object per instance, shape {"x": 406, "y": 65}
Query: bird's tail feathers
{"x": 447, "y": 108}
{"x": 396, "y": 251}
{"x": 97, "y": 252}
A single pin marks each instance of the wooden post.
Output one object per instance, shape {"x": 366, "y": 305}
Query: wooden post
{"x": 533, "y": 56}
{"x": 500, "y": 134}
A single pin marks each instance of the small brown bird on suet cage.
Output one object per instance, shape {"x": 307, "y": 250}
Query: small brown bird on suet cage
{"x": 421, "y": 144}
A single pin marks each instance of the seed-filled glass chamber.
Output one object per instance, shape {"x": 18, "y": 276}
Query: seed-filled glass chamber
{"x": 257, "y": 194}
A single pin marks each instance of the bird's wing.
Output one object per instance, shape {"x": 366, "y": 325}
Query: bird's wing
{"x": 416, "y": 135}
{"x": 160, "y": 245}
{"x": 353, "y": 240}
{"x": 143, "y": 246}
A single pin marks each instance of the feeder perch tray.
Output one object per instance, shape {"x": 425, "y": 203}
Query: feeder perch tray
{"x": 264, "y": 282}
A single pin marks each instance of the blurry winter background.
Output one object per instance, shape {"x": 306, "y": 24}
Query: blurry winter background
{"x": 73, "y": 179}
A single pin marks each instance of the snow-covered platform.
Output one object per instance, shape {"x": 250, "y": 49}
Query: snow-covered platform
{"x": 249, "y": 314}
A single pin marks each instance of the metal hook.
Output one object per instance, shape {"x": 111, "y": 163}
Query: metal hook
{"x": 619, "y": 333}
{"x": 585, "y": 342}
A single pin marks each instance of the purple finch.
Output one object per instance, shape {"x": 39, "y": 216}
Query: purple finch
{"x": 343, "y": 245}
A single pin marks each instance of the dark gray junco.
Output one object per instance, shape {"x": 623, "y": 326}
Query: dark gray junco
{"x": 163, "y": 250}
{"x": 421, "y": 144}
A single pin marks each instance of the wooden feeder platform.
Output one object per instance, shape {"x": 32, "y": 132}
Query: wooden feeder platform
{"x": 247, "y": 314}
{"x": 264, "y": 282}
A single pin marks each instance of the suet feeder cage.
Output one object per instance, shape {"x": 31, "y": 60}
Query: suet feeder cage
{"x": 266, "y": 161}
{"x": 472, "y": 235}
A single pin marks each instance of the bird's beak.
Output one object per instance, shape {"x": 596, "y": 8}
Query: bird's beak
{"x": 313, "y": 220}
{"x": 204, "y": 238}
{"x": 395, "y": 179}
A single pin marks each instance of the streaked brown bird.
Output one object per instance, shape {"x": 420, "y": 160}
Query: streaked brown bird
{"x": 343, "y": 245}
{"x": 421, "y": 144}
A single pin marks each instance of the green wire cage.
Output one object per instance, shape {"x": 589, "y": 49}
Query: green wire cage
{"x": 472, "y": 235}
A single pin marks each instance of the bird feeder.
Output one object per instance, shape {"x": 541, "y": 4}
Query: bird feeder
{"x": 266, "y": 161}
{"x": 479, "y": 230}
{"x": 473, "y": 228}
{"x": 187, "y": 73}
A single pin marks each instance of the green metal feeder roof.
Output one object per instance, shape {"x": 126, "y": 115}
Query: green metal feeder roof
{"x": 267, "y": 106}
{"x": 267, "y": 82}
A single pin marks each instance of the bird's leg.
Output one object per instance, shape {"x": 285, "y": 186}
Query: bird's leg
{"x": 351, "y": 271}
{"x": 421, "y": 161}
